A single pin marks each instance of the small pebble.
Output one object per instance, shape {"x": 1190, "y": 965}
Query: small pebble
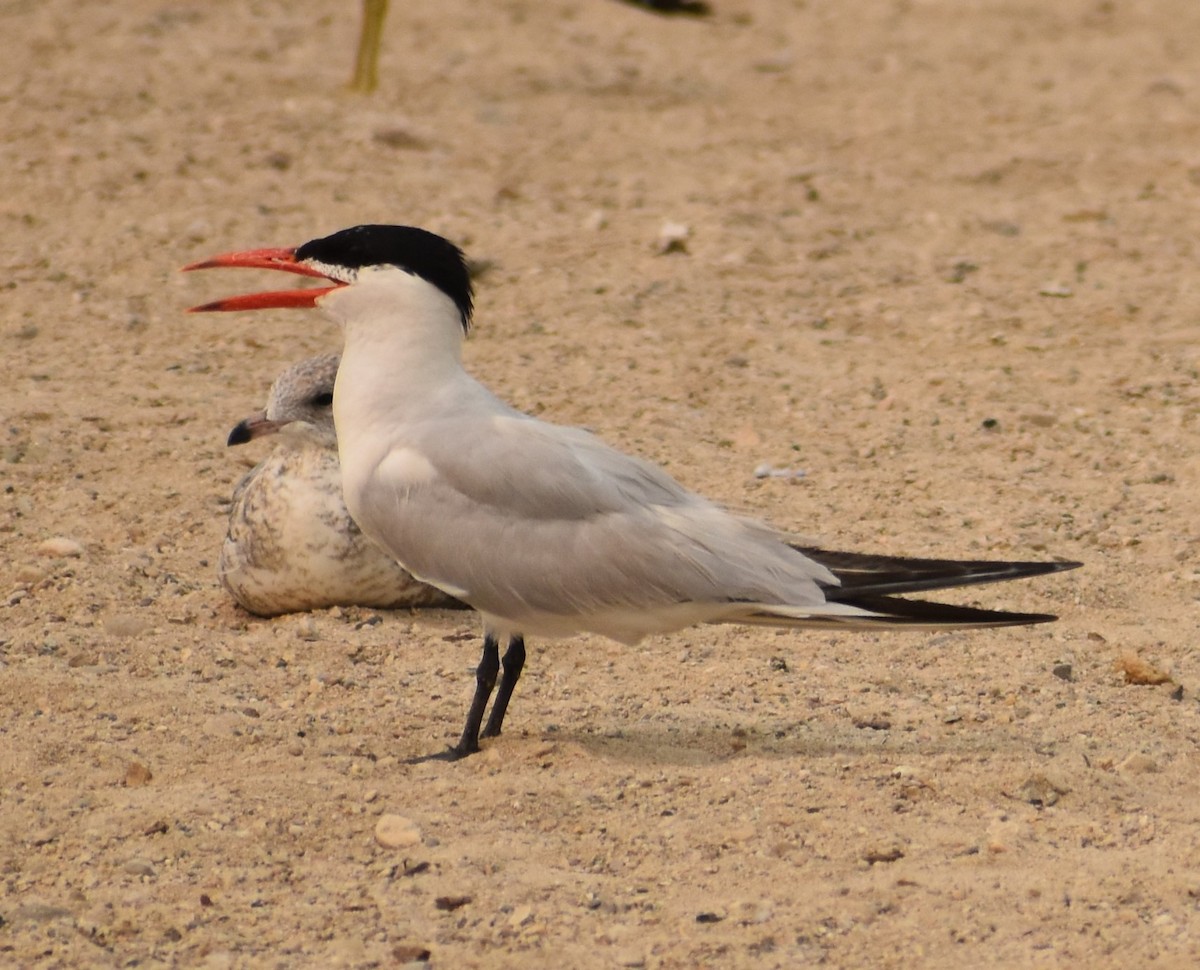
{"x": 137, "y": 775}
{"x": 1063, "y": 672}
{"x": 672, "y": 238}
{"x": 396, "y": 831}
{"x": 1056, "y": 289}
{"x": 1040, "y": 790}
{"x": 139, "y": 867}
{"x": 60, "y": 547}
{"x": 1139, "y": 671}
{"x": 1139, "y": 764}
{"x": 410, "y": 953}
{"x": 883, "y": 853}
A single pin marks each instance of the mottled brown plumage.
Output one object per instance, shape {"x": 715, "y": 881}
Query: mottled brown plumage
{"x": 291, "y": 545}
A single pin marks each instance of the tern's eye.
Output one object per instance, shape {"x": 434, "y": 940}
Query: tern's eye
{"x": 323, "y": 400}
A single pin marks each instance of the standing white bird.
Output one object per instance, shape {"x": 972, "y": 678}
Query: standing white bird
{"x": 543, "y": 529}
{"x": 291, "y": 545}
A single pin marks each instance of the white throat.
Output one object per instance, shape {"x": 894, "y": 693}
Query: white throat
{"x": 403, "y": 338}
{"x": 401, "y": 361}
{"x": 387, "y": 307}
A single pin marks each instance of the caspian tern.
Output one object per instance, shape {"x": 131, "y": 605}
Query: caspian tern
{"x": 543, "y": 529}
{"x": 291, "y": 545}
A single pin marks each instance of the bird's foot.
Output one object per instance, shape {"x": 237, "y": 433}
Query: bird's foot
{"x": 455, "y": 752}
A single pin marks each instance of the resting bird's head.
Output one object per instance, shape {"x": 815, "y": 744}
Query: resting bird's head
{"x": 301, "y": 398}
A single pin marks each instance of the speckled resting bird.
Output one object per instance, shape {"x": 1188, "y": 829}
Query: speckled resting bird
{"x": 291, "y": 544}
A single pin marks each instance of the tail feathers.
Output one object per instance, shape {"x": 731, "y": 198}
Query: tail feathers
{"x": 885, "y": 612}
{"x": 864, "y": 575}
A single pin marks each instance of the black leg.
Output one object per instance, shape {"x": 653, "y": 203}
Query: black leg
{"x": 514, "y": 660}
{"x": 485, "y": 680}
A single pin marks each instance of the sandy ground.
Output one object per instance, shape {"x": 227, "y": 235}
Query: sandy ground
{"x": 940, "y": 260}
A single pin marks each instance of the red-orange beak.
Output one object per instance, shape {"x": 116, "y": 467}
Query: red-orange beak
{"x": 280, "y": 259}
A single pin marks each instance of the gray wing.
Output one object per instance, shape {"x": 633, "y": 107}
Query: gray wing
{"x": 529, "y": 469}
{"x": 516, "y": 516}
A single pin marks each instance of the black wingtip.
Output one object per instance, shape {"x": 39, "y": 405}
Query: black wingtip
{"x": 863, "y": 574}
{"x": 896, "y": 611}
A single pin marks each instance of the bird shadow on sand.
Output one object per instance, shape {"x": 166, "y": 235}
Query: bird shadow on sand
{"x": 700, "y": 745}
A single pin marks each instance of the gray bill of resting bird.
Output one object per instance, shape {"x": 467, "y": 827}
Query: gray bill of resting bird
{"x": 544, "y": 529}
{"x": 291, "y": 545}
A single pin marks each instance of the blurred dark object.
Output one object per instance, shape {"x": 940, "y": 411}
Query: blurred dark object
{"x": 366, "y": 61}
{"x": 693, "y": 8}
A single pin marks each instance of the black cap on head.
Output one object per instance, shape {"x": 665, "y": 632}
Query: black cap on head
{"x": 417, "y": 251}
